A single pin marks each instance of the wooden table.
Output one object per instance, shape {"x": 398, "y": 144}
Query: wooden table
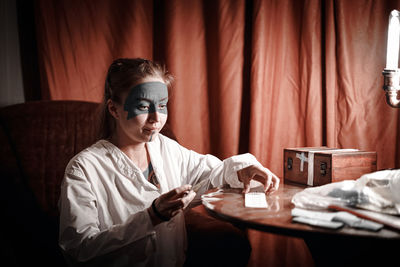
{"x": 328, "y": 247}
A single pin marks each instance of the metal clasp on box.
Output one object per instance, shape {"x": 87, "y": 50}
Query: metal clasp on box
{"x": 289, "y": 163}
{"x": 324, "y": 167}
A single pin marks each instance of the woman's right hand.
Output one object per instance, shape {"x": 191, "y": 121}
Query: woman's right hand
{"x": 170, "y": 203}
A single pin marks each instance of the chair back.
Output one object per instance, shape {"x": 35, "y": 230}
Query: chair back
{"x": 37, "y": 140}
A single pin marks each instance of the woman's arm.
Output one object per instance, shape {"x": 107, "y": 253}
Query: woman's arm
{"x": 241, "y": 171}
{"x": 80, "y": 235}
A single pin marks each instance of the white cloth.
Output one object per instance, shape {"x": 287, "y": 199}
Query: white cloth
{"x": 104, "y": 198}
{"x": 382, "y": 189}
{"x": 377, "y": 191}
{"x": 334, "y": 220}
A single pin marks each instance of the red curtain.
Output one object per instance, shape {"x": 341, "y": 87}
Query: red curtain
{"x": 253, "y": 76}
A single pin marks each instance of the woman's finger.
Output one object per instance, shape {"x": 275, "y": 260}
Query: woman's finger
{"x": 176, "y": 191}
{"x": 265, "y": 180}
{"x": 169, "y": 206}
{"x": 181, "y": 194}
{"x": 183, "y": 201}
{"x": 260, "y": 174}
{"x": 274, "y": 185}
{"x": 246, "y": 186}
{"x": 188, "y": 198}
{"x": 271, "y": 181}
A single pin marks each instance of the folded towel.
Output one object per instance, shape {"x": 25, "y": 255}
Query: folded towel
{"x": 333, "y": 219}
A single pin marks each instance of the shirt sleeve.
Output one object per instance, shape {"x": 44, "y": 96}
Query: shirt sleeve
{"x": 196, "y": 168}
{"x": 80, "y": 236}
{"x": 218, "y": 172}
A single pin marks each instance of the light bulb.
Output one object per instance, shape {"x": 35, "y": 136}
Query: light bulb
{"x": 392, "y": 56}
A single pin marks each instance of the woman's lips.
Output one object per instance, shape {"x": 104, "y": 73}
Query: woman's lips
{"x": 150, "y": 130}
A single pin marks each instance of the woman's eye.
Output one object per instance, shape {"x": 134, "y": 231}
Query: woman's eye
{"x": 143, "y": 108}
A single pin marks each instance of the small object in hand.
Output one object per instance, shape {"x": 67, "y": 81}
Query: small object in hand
{"x": 197, "y": 186}
{"x": 255, "y": 200}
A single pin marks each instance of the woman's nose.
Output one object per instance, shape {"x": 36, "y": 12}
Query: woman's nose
{"x": 154, "y": 116}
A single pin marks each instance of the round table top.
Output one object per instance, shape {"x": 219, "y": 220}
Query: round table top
{"x": 228, "y": 204}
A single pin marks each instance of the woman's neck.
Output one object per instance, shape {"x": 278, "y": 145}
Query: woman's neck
{"x": 137, "y": 152}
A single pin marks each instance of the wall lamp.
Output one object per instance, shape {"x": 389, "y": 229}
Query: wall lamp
{"x": 391, "y": 73}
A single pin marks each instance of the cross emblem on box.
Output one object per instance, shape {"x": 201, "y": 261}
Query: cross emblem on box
{"x": 303, "y": 159}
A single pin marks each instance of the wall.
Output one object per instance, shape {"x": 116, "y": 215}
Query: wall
{"x": 11, "y": 84}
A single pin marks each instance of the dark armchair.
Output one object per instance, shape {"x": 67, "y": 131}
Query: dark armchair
{"x": 37, "y": 139}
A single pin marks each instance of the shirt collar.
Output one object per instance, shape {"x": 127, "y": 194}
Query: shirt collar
{"x": 128, "y": 168}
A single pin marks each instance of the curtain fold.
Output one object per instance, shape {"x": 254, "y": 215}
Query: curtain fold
{"x": 77, "y": 41}
{"x": 255, "y": 75}
{"x": 363, "y": 119}
{"x": 185, "y": 56}
{"x": 286, "y": 89}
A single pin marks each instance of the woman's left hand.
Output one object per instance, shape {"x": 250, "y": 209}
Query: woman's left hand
{"x": 260, "y": 174}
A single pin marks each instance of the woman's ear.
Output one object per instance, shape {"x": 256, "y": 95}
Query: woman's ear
{"x": 112, "y": 109}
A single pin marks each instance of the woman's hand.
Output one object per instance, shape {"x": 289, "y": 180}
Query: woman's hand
{"x": 260, "y": 174}
{"x": 169, "y": 204}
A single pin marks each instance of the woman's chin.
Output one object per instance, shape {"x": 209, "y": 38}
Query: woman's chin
{"x": 150, "y": 137}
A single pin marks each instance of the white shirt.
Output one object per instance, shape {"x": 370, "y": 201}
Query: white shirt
{"x": 104, "y": 197}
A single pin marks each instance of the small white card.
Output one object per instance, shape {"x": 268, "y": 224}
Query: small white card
{"x": 255, "y": 200}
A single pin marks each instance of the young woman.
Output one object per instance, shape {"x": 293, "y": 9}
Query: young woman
{"x": 122, "y": 199}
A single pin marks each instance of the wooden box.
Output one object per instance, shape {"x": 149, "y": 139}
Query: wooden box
{"x": 314, "y": 166}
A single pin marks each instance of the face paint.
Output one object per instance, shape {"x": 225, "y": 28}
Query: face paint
{"x": 147, "y": 97}
{"x": 151, "y": 137}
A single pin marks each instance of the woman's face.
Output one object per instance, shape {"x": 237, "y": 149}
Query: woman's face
{"x": 143, "y": 112}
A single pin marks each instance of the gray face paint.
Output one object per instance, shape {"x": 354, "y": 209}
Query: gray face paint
{"x": 145, "y": 98}
{"x": 151, "y": 137}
